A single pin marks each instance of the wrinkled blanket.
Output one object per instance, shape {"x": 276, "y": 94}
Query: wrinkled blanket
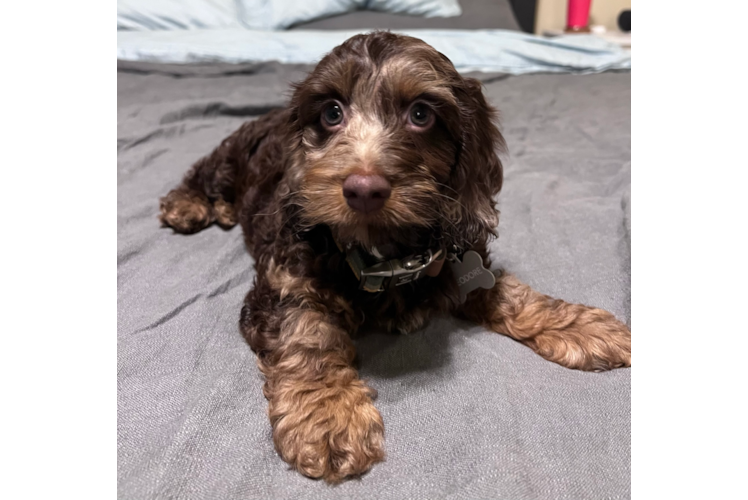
{"x": 468, "y": 413}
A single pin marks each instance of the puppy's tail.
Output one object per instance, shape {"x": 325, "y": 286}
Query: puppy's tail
{"x": 213, "y": 189}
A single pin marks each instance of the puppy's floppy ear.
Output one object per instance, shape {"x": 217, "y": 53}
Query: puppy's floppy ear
{"x": 478, "y": 174}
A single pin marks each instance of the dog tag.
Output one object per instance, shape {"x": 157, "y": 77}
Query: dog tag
{"x": 470, "y": 274}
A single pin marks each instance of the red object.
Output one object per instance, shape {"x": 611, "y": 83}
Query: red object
{"x": 578, "y": 15}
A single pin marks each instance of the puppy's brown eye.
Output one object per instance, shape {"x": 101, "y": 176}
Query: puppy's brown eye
{"x": 332, "y": 114}
{"x": 420, "y": 115}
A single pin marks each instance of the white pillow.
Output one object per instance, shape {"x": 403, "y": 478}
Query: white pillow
{"x": 280, "y": 14}
{"x": 260, "y": 14}
{"x": 176, "y": 14}
{"x": 426, "y": 8}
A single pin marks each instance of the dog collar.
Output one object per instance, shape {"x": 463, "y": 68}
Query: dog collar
{"x": 377, "y": 275}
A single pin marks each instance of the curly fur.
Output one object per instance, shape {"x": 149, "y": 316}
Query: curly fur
{"x": 280, "y": 177}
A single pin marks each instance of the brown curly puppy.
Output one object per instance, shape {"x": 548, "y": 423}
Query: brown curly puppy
{"x": 384, "y": 152}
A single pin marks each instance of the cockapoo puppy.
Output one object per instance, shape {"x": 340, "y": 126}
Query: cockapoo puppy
{"x": 370, "y": 196}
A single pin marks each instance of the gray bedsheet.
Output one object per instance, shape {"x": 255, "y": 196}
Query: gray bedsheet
{"x": 468, "y": 413}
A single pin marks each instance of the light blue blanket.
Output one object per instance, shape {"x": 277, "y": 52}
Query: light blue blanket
{"x": 499, "y": 51}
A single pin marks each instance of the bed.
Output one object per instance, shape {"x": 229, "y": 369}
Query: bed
{"x": 468, "y": 413}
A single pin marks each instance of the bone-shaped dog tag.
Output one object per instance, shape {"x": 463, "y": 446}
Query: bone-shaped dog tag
{"x": 470, "y": 274}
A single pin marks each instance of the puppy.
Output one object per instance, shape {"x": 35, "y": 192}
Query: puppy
{"x": 370, "y": 196}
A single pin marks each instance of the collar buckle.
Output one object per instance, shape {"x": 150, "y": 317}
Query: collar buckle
{"x": 397, "y": 272}
{"x": 391, "y": 273}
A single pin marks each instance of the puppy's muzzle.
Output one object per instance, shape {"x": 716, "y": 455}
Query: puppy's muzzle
{"x": 366, "y": 193}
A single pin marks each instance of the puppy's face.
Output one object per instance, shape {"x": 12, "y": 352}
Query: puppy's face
{"x": 388, "y": 144}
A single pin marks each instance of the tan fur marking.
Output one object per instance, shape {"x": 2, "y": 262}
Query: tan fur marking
{"x": 225, "y": 213}
{"x": 287, "y": 284}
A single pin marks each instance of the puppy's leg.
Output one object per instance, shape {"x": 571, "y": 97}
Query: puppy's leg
{"x": 572, "y": 335}
{"x": 324, "y": 422}
{"x": 213, "y": 188}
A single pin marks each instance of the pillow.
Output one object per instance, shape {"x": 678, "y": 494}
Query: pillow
{"x": 176, "y": 14}
{"x": 260, "y": 14}
{"x": 280, "y": 14}
{"x": 425, "y": 8}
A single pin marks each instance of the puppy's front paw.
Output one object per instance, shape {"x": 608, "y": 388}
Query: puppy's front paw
{"x": 329, "y": 433}
{"x": 594, "y": 341}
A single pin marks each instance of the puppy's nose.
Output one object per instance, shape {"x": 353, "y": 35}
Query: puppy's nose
{"x": 366, "y": 193}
